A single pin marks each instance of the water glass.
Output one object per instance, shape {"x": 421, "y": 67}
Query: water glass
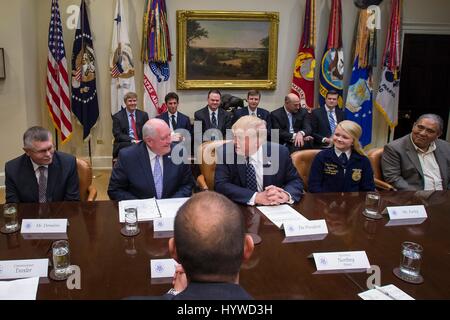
{"x": 10, "y": 217}
{"x": 411, "y": 258}
{"x": 372, "y": 205}
{"x": 131, "y": 222}
{"x": 61, "y": 258}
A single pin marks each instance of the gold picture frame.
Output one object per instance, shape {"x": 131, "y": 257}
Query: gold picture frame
{"x": 227, "y": 49}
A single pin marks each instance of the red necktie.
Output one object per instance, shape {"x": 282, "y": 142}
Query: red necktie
{"x": 133, "y": 126}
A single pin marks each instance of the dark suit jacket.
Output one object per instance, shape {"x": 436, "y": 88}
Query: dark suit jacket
{"x": 280, "y": 121}
{"x": 62, "y": 183}
{"x": 230, "y": 179}
{"x": 260, "y": 113}
{"x": 183, "y": 121}
{"x": 132, "y": 176}
{"x": 321, "y": 126}
{"x": 401, "y": 166}
{"x": 223, "y": 123}
{"x": 204, "y": 291}
{"x": 328, "y": 175}
{"x": 121, "y": 129}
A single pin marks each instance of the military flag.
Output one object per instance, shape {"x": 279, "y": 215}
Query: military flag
{"x": 121, "y": 64}
{"x": 156, "y": 55}
{"x": 84, "y": 91}
{"x": 57, "y": 89}
{"x": 388, "y": 90}
{"x": 332, "y": 66}
{"x": 359, "y": 104}
{"x": 303, "y": 78}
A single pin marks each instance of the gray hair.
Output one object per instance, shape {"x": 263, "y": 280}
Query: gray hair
{"x": 35, "y": 133}
{"x": 435, "y": 118}
{"x": 149, "y": 128}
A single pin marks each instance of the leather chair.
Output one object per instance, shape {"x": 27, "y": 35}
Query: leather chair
{"x": 374, "y": 156}
{"x": 87, "y": 190}
{"x": 302, "y": 161}
{"x": 207, "y": 154}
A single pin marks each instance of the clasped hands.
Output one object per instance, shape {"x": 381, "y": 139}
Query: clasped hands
{"x": 271, "y": 196}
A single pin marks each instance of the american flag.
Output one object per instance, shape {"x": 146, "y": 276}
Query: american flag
{"x": 58, "y": 101}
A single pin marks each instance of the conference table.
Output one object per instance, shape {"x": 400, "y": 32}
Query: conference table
{"x": 113, "y": 266}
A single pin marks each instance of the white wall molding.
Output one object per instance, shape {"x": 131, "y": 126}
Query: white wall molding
{"x": 425, "y": 28}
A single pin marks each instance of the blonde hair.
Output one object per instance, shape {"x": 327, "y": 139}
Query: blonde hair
{"x": 251, "y": 125}
{"x": 354, "y": 130}
{"x": 129, "y": 95}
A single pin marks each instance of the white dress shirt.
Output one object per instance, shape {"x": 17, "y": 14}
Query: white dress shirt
{"x": 36, "y": 170}
{"x": 431, "y": 173}
{"x": 152, "y": 157}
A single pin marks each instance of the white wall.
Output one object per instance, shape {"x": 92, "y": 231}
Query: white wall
{"x": 24, "y": 32}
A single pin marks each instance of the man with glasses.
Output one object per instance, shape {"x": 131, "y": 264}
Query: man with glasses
{"x": 419, "y": 161}
{"x": 41, "y": 174}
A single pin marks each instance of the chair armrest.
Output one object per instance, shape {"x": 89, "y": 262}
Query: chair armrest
{"x": 202, "y": 182}
{"x": 92, "y": 193}
{"x": 381, "y": 185}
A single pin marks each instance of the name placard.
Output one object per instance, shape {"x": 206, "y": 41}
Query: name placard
{"x": 17, "y": 269}
{"x": 44, "y": 226}
{"x": 162, "y": 270}
{"x": 163, "y": 224}
{"x": 406, "y": 215}
{"x": 304, "y": 228}
{"x": 328, "y": 262}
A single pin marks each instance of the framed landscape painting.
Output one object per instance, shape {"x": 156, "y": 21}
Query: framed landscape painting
{"x": 227, "y": 49}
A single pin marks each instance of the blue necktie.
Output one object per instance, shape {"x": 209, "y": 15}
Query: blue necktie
{"x": 214, "y": 120}
{"x": 291, "y": 128}
{"x": 158, "y": 178}
{"x": 251, "y": 176}
{"x": 332, "y": 122}
{"x": 344, "y": 159}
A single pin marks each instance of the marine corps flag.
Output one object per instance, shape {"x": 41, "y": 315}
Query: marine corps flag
{"x": 303, "y": 78}
{"x": 359, "y": 104}
{"x": 121, "y": 61}
{"x": 84, "y": 92}
{"x": 332, "y": 66}
{"x": 156, "y": 55}
{"x": 388, "y": 91}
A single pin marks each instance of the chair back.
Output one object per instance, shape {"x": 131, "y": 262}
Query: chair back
{"x": 302, "y": 161}
{"x": 87, "y": 191}
{"x": 207, "y": 152}
{"x": 374, "y": 156}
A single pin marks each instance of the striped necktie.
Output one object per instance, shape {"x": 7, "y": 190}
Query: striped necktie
{"x": 42, "y": 183}
{"x": 158, "y": 178}
{"x": 332, "y": 122}
{"x": 251, "y": 176}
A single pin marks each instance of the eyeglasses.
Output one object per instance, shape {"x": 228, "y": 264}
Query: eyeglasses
{"x": 427, "y": 130}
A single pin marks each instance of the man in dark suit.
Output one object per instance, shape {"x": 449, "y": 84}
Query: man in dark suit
{"x": 210, "y": 250}
{"x": 253, "y": 99}
{"x": 147, "y": 169}
{"x": 127, "y": 124}
{"x": 175, "y": 119}
{"x": 212, "y": 118}
{"x": 325, "y": 119}
{"x": 293, "y": 123}
{"x": 420, "y": 160}
{"x": 254, "y": 172}
{"x": 41, "y": 174}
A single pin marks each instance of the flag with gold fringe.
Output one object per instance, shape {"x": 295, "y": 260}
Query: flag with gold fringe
{"x": 121, "y": 64}
{"x": 388, "y": 90}
{"x": 303, "y": 77}
{"x": 332, "y": 66}
{"x": 156, "y": 55}
{"x": 359, "y": 104}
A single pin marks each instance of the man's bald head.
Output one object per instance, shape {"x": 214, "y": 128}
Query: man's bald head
{"x": 209, "y": 237}
{"x": 292, "y": 103}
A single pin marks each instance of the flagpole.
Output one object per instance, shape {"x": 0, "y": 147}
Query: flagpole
{"x": 90, "y": 159}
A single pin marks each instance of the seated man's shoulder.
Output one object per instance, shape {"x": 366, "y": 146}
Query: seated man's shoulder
{"x": 443, "y": 144}
{"x": 64, "y": 157}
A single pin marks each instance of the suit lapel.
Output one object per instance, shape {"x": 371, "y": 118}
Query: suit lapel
{"x": 207, "y": 119}
{"x": 285, "y": 120}
{"x": 125, "y": 121}
{"x": 413, "y": 157}
{"x": 241, "y": 167}
{"x": 53, "y": 170}
{"x": 442, "y": 162}
{"x": 324, "y": 115}
{"x": 33, "y": 183}
{"x": 267, "y": 151}
{"x": 144, "y": 160}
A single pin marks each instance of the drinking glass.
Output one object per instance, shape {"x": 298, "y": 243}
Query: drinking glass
{"x": 10, "y": 217}
{"x": 131, "y": 222}
{"x": 410, "y": 262}
{"x": 61, "y": 260}
{"x": 372, "y": 205}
